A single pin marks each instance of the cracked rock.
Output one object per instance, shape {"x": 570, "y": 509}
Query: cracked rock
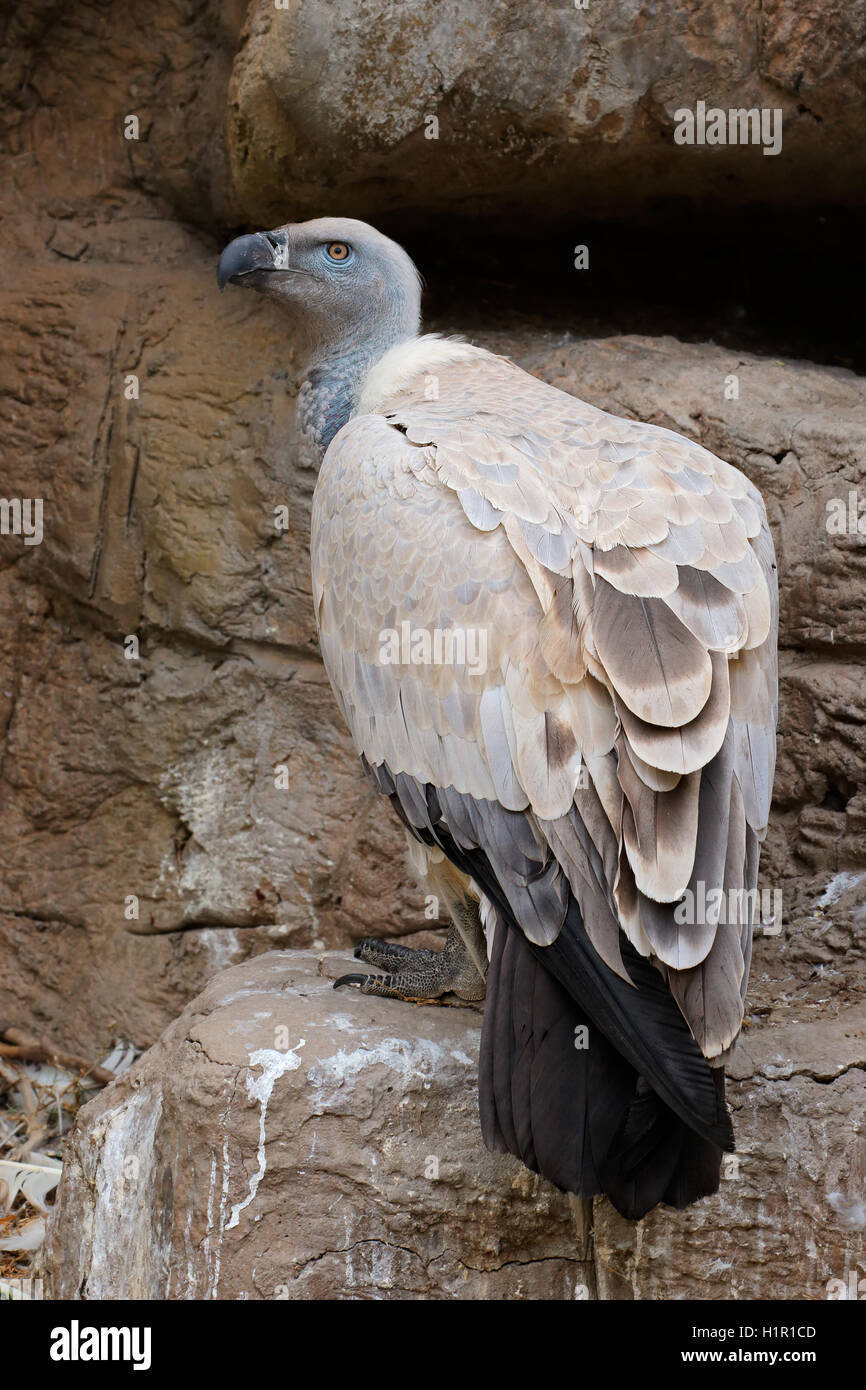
{"x": 284, "y": 1141}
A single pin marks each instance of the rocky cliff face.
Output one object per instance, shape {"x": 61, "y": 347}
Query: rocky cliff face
{"x": 282, "y": 1141}
{"x": 306, "y": 1144}
{"x": 177, "y": 791}
{"x": 537, "y": 109}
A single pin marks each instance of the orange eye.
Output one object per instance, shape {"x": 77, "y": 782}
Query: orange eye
{"x": 338, "y": 251}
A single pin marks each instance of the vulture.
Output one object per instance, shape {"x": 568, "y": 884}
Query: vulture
{"x": 552, "y": 634}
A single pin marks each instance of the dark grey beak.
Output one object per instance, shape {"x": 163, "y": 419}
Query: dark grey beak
{"x": 261, "y": 251}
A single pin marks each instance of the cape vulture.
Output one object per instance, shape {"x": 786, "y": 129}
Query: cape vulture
{"x": 552, "y": 634}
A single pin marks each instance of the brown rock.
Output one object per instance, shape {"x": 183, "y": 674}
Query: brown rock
{"x": 283, "y": 1141}
{"x": 539, "y": 109}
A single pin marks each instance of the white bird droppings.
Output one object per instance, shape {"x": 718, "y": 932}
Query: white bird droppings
{"x": 274, "y": 1065}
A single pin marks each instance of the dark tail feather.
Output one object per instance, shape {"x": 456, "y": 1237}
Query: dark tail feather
{"x": 699, "y": 1169}
{"x": 578, "y": 1114}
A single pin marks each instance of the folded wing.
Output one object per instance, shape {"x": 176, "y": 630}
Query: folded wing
{"x": 563, "y": 624}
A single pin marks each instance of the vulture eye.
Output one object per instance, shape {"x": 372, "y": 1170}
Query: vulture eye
{"x": 338, "y": 251}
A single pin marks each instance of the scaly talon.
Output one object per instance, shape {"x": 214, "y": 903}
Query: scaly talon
{"x": 417, "y": 976}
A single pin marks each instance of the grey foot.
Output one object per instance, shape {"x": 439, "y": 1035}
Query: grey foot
{"x": 421, "y": 977}
{"x": 388, "y": 955}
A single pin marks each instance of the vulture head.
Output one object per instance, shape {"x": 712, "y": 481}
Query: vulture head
{"x": 342, "y": 278}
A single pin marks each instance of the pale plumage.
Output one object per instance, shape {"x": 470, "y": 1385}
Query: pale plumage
{"x": 617, "y": 572}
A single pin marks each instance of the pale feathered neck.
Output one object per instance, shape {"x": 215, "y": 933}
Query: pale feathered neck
{"x": 402, "y": 363}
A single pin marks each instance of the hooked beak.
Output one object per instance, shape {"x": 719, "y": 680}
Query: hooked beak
{"x": 261, "y": 251}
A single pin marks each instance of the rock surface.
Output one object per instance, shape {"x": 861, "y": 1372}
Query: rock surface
{"x": 249, "y": 112}
{"x": 283, "y": 1141}
{"x": 525, "y": 107}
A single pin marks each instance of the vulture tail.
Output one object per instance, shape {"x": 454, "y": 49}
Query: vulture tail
{"x": 555, "y": 1093}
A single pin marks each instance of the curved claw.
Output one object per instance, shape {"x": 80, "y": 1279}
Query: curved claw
{"x": 350, "y": 980}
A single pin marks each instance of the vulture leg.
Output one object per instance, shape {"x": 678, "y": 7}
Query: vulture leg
{"x": 420, "y": 976}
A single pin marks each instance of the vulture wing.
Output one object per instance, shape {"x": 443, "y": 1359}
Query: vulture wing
{"x": 592, "y": 740}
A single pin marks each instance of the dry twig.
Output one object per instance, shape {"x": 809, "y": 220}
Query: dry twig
{"x": 27, "y": 1048}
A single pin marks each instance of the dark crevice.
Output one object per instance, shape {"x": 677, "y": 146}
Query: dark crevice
{"x": 772, "y": 281}
{"x": 838, "y": 794}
